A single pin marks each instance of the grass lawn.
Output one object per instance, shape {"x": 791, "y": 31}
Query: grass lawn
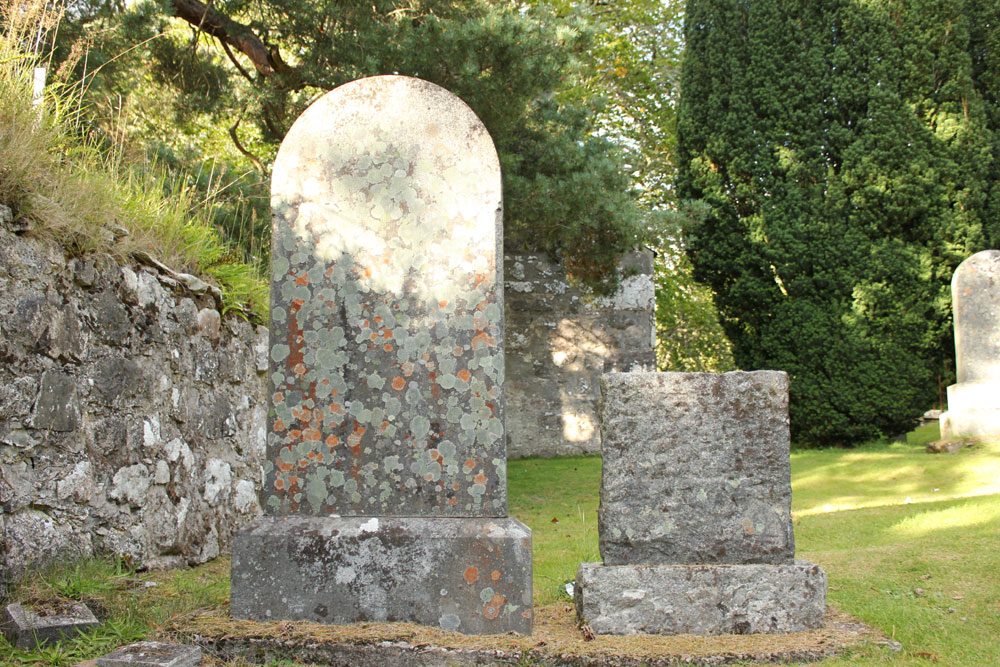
{"x": 910, "y": 542}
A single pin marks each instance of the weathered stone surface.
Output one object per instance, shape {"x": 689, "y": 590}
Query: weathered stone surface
{"x": 973, "y": 410}
{"x": 467, "y": 574}
{"x": 26, "y": 630}
{"x": 695, "y": 468}
{"x": 109, "y": 443}
{"x": 386, "y": 308}
{"x": 152, "y": 654}
{"x": 700, "y": 599}
{"x": 559, "y": 339}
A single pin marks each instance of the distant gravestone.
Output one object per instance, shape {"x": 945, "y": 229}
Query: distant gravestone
{"x": 973, "y": 409}
{"x": 385, "y": 484}
{"x": 695, "y": 521}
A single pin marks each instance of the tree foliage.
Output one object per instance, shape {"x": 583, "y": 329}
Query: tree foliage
{"x": 199, "y": 75}
{"x": 848, "y": 153}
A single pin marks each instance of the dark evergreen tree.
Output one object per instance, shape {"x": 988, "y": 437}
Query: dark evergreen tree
{"x": 848, "y": 153}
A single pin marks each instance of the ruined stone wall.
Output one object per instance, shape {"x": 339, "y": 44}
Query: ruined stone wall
{"x": 560, "y": 339}
{"x": 132, "y": 415}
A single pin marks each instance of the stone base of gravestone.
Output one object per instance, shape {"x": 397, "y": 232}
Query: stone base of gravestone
{"x": 972, "y": 411}
{"x": 26, "y": 630}
{"x": 700, "y": 599}
{"x": 470, "y": 575}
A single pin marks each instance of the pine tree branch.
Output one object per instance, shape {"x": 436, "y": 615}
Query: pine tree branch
{"x": 237, "y": 35}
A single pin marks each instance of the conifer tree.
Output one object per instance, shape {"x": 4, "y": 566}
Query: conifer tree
{"x": 848, "y": 154}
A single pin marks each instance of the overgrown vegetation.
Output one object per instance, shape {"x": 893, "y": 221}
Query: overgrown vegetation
{"x": 908, "y": 541}
{"x": 84, "y": 192}
{"x": 849, "y": 155}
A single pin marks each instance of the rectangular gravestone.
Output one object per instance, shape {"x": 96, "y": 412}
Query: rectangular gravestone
{"x": 27, "y": 630}
{"x": 695, "y": 523}
{"x": 385, "y": 482}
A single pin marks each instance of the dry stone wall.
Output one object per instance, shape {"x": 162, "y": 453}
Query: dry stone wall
{"x": 560, "y": 340}
{"x": 132, "y": 416}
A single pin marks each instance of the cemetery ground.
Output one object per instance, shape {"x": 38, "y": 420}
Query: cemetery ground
{"x": 908, "y": 540}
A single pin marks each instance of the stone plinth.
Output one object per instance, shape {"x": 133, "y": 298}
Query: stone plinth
{"x": 695, "y": 468}
{"x": 152, "y": 654}
{"x": 386, "y": 471}
{"x": 26, "y": 630}
{"x": 695, "y": 521}
{"x": 973, "y": 403}
{"x": 701, "y": 599}
{"x": 469, "y": 575}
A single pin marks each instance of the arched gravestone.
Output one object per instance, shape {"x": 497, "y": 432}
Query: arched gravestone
{"x": 385, "y": 483}
{"x": 973, "y": 409}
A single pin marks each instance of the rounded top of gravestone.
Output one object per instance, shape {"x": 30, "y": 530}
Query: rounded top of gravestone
{"x": 403, "y": 166}
{"x": 975, "y": 291}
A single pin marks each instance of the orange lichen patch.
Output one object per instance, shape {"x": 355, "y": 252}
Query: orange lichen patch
{"x": 311, "y": 455}
{"x": 303, "y": 463}
{"x": 428, "y": 477}
{"x": 479, "y": 479}
{"x": 332, "y": 441}
{"x": 354, "y": 439}
{"x": 452, "y": 502}
{"x": 495, "y": 575}
{"x": 480, "y": 279}
{"x": 297, "y": 303}
{"x": 387, "y": 333}
{"x": 378, "y": 320}
{"x": 398, "y": 384}
{"x": 329, "y": 272}
{"x": 482, "y": 339}
{"x": 456, "y": 486}
{"x": 443, "y": 303}
{"x": 492, "y": 408}
{"x": 312, "y": 435}
{"x": 299, "y": 370}
{"x": 387, "y": 347}
{"x": 277, "y": 397}
{"x": 471, "y": 574}
{"x": 303, "y": 280}
{"x": 336, "y": 409}
{"x": 457, "y": 351}
{"x": 374, "y": 336}
{"x": 425, "y": 357}
{"x": 302, "y": 413}
{"x": 407, "y": 368}
{"x": 433, "y": 453}
{"x": 295, "y": 434}
{"x": 382, "y": 427}
{"x": 279, "y": 426}
{"x": 464, "y": 375}
{"x": 469, "y": 464}
{"x": 494, "y": 606}
{"x": 748, "y": 526}
{"x": 279, "y": 484}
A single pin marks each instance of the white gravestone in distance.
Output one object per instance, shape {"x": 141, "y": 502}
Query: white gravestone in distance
{"x": 974, "y": 400}
{"x": 385, "y": 489}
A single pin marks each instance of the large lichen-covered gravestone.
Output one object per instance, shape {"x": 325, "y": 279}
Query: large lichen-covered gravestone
{"x": 385, "y": 488}
{"x": 695, "y": 521}
{"x": 973, "y": 408}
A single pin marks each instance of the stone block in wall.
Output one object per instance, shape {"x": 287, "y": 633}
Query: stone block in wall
{"x": 560, "y": 339}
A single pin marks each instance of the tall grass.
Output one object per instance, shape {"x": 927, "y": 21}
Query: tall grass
{"x": 85, "y": 194}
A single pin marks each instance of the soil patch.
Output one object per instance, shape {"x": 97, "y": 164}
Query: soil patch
{"x": 556, "y": 641}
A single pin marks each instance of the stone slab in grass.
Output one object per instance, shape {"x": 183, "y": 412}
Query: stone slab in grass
{"x": 701, "y": 599}
{"x": 152, "y": 654}
{"x": 26, "y": 630}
